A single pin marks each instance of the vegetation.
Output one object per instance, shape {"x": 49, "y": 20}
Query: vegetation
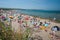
{"x": 58, "y": 21}
{"x": 10, "y": 8}
{"x": 7, "y": 34}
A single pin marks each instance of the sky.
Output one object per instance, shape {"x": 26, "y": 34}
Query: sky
{"x": 31, "y": 4}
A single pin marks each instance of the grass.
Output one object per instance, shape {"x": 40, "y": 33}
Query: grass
{"x": 7, "y": 34}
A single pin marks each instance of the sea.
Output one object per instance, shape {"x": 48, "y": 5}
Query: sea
{"x": 41, "y": 13}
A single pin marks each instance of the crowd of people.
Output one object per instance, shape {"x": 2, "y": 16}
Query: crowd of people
{"x": 27, "y": 21}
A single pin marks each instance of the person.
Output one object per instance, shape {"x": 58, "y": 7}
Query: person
{"x": 19, "y": 17}
{"x": 55, "y": 28}
{"x": 54, "y": 19}
{"x": 49, "y": 22}
{"x": 41, "y": 23}
{"x": 44, "y": 23}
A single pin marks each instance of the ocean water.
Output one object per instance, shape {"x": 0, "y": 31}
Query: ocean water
{"x": 41, "y": 13}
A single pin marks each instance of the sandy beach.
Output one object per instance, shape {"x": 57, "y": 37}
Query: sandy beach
{"x": 42, "y": 33}
{"x": 21, "y": 22}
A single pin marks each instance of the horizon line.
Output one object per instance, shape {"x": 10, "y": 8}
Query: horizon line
{"x": 26, "y": 9}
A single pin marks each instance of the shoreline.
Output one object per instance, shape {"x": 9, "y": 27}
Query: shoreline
{"x": 49, "y": 18}
{"x": 45, "y": 19}
{"x": 56, "y": 21}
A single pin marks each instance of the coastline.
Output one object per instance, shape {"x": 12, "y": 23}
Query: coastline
{"x": 44, "y": 34}
{"x": 50, "y": 19}
{"x": 43, "y": 19}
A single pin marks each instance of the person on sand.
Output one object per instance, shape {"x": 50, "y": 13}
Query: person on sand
{"x": 45, "y": 22}
{"x": 41, "y": 23}
{"x": 35, "y": 23}
{"x": 49, "y": 22}
{"x": 54, "y": 30}
{"x": 3, "y": 17}
{"x": 54, "y": 19}
{"x": 38, "y": 23}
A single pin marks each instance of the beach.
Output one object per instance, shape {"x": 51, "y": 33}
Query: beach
{"x": 43, "y": 34}
{"x": 20, "y": 22}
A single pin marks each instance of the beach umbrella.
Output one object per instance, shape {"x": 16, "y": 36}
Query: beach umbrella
{"x": 42, "y": 27}
{"x": 11, "y": 17}
{"x": 46, "y": 25}
{"x": 19, "y": 17}
{"x": 26, "y": 17}
{"x": 55, "y": 28}
{"x": 3, "y": 17}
